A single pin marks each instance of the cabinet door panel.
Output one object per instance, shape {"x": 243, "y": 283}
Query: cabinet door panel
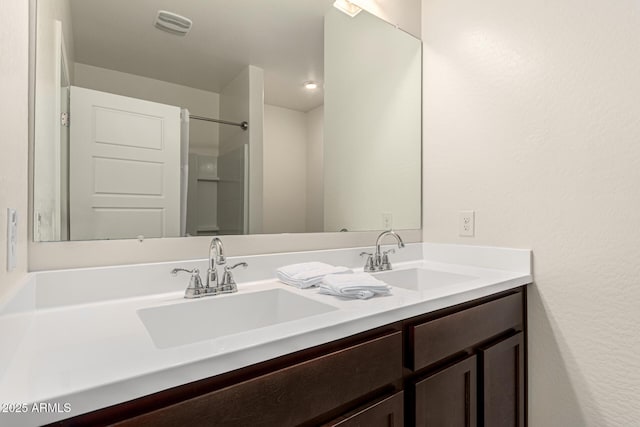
{"x": 388, "y": 412}
{"x": 502, "y": 383}
{"x": 448, "y": 397}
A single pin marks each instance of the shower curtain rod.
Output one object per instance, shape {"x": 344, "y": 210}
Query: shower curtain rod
{"x": 243, "y": 125}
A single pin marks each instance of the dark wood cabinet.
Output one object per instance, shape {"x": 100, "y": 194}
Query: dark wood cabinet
{"x": 293, "y": 395}
{"x": 460, "y": 366}
{"x": 387, "y": 412}
{"x": 448, "y": 398}
{"x": 502, "y": 380}
{"x": 468, "y": 366}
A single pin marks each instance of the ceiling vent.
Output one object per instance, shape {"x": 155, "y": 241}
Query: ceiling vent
{"x": 173, "y": 23}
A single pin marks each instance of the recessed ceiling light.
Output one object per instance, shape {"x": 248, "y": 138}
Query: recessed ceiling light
{"x": 310, "y": 85}
{"x": 347, "y": 7}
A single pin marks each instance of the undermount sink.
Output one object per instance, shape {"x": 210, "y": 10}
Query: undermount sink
{"x": 192, "y": 321}
{"x": 420, "y": 279}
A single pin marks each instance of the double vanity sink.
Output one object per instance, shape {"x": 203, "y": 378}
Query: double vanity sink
{"x": 188, "y": 322}
{"x": 179, "y": 323}
{"x": 124, "y": 338}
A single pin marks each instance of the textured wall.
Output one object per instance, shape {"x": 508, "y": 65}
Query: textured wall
{"x": 531, "y": 117}
{"x": 14, "y": 61}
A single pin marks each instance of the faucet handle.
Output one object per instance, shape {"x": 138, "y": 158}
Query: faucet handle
{"x": 240, "y": 264}
{"x": 195, "y": 273}
{"x": 228, "y": 283}
{"x": 195, "y": 288}
{"x": 369, "y": 266}
{"x": 386, "y": 264}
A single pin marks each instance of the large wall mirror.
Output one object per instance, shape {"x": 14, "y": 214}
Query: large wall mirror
{"x": 168, "y": 118}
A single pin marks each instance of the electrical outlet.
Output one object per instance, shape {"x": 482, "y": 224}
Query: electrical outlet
{"x": 387, "y": 221}
{"x": 466, "y": 223}
{"x": 12, "y": 239}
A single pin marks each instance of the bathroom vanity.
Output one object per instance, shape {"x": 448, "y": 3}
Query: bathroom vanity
{"x": 448, "y": 347}
{"x": 459, "y": 366}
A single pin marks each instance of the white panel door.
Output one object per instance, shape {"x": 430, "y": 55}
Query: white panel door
{"x": 124, "y": 167}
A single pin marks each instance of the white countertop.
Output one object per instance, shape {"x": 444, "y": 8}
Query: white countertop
{"x": 99, "y": 353}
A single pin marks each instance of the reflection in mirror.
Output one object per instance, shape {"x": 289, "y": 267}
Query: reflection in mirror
{"x": 213, "y": 126}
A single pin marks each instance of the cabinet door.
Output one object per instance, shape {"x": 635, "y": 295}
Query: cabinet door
{"x": 502, "y": 383}
{"x": 448, "y": 397}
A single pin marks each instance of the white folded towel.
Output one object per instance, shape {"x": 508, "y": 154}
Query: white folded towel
{"x": 357, "y": 285}
{"x": 308, "y": 274}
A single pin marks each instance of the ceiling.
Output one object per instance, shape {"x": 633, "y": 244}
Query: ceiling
{"x": 284, "y": 37}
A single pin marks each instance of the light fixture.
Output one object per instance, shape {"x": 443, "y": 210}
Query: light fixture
{"x": 310, "y": 85}
{"x": 347, "y": 7}
{"x": 172, "y": 23}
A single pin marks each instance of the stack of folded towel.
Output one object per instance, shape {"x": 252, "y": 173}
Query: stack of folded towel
{"x": 308, "y": 274}
{"x": 357, "y": 285}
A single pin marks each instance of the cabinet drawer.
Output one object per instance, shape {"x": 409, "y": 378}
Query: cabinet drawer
{"x": 292, "y": 395}
{"x": 437, "y": 339}
{"x": 387, "y": 412}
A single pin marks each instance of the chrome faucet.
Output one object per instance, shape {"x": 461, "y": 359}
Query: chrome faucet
{"x": 379, "y": 260}
{"x": 216, "y": 257}
{"x": 213, "y": 286}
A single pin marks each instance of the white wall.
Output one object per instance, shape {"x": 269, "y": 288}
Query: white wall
{"x": 531, "y": 118}
{"x": 203, "y": 136}
{"x": 14, "y": 48}
{"x": 315, "y": 170}
{"x": 285, "y": 171}
{"x": 372, "y": 124}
